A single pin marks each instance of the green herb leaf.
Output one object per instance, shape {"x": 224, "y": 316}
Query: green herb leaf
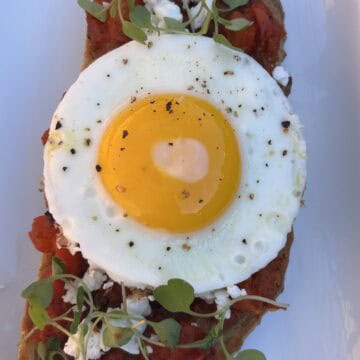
{"x": 176, "y": 296}
{"x": 53, "y": 344}
{"x": 210, "y": 338}
{"x": 57, "y": 266}
{"x": 80, "y": 297}
{"x": 94, "y": 9}
{"x": 38, "y": 314}
{"x": 113, "y": 8}
{"x": 41, "y": 351}
{"x": 168, "y": 331}
{"x": 221, "y": 39}
{"x": 134, "y": 32}
{"x": 75, "y": 324}
{"x": 233, "y": 4}
{"x": 131, "y": 4}
{"x": 141, "y": 17}
{"x": 117, "y": 314}
{"x": 116, "y": 336}
{"x": 174, "y": 24}
{"x": 40, "y": 291}
{"x": 250, "y": 355}
{"x": 235, "y": 24}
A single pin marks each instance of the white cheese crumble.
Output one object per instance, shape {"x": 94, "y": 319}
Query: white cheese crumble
{"x": 222, "y": 297}
{"x": 281, "y": 75}
{"x": 108, "y": 285}
{"x": 94, "y": 349}
{"x": 193, "y": 11}
{"x": 234, "y": 291}
{"x": 93, "y": 279}
{"x": 137, "y": 307}
{"x": 95, "y": 346}
{"x": 159, "y": 9}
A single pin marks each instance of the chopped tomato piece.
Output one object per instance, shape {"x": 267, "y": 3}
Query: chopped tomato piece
{"x": 43, "y": 234}
{"x": 74, "y": 264}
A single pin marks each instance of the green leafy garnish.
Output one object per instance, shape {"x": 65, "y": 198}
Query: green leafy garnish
{"x": 38, "y": 314}
{"x": 116, "y": 336}
{"x": 134, "y": 32}
{"x": 57, "y": 266}
{"x": 233, "y": 4}
{"x": 140, "y": 16}
{"x": 168, "y": 331}
{"x": 210, "y": 338}
{"x": 221, "y": 39}
{"x": 83, "y": 318}
{"x": 94, "y": 9}
{"x": 40, "y": 292}
{"x": 176, "y": 296}
{"x": 235, "y": 24}
{"x": 174, "y": 24}
{"x": 140, "y": 23}
{"x": 250, "y": 355}
{"x": 41, "y": 351}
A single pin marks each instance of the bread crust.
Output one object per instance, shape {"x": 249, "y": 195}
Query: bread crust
{"x": 242, "y": 323}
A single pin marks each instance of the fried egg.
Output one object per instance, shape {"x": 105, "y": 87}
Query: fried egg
{"x": 180, "y": 159}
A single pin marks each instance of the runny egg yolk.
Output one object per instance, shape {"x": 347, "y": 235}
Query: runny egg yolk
{"x": 170, "y": 161}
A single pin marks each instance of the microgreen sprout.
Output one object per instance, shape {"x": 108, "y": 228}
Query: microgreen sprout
{"x": 84, "y": 319}
{"x": 140, "y": 24}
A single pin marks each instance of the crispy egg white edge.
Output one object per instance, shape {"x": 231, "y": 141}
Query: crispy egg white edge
{"x": 89, "y": 217}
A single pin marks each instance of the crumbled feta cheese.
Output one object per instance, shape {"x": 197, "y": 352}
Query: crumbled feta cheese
{"x": 94, "y": 278}
{"x": 138, "y": 307}
{"x": 208, "y": 297}
{"x": 234, "y": 291}
{"x": 151, "y": 298}
{"x": 94, "y": 349}
{"x": 108, "y": 285}
{"x": 71, "y": 288}
{"x": 193, "y": 11}
{"x": 281, "y": 75}
{"x": 221, "y": 300}
{"x": 149, "y": 349}
{"x": 159, "y": 9}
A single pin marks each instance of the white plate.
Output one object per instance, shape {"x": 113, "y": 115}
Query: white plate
{"x": 41, "y": 53}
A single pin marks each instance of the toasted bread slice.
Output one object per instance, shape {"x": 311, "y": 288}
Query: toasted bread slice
{"x": 241, "y": 322}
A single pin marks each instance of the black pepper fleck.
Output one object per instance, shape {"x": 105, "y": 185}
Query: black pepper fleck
{"x": 229, "y": 72}
{"x": 125, "y": 133}
{"x": 125, "y": 61}
{"x": 269, "y": 142}
{"x": 244, "y": 241}
{"x": 58, "y": 125}
{"x": 168, "y": 107}
{"x": 284, "y": 153}
{"x": 64, "y": 168}
{"x": 251, "y": 196}
{"x": 72, "y": 151}
{"x": 131, "y": 243}
{"x": 98, "y": 168}
{"x": 168, "y": 248}
{"x": 171, "y": 144}
{"x": 87, "y": 142}
{"x": 285, "y": 124}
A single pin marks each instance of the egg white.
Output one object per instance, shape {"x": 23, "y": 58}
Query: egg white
{"x": 271, "y": 183}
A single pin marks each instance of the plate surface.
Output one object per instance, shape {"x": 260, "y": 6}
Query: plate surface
{"x": 42, "y": 48}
